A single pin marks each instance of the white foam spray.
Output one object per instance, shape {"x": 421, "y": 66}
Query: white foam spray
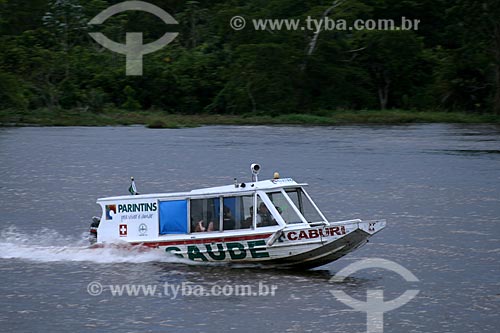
{"x": 50, "y": 246}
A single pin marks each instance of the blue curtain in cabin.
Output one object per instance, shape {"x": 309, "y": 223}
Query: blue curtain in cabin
{"x": 173, "y": 217}
{"x": 231, "y": 204}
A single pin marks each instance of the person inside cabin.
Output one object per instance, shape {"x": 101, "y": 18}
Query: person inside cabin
{"x": 199, "y": 227}
{"x": 228, "y": 219}
{"x": 264, "y": 217}
{"x": 247, "y": 223}
{"x": 211, "y": 225}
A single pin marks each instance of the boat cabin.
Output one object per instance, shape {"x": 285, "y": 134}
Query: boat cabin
{"x": 260, "y": 206}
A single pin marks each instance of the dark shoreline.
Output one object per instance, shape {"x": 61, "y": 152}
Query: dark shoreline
{"x": 160, "y": 119}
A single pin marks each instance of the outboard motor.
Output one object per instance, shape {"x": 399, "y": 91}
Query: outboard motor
{"x": 93, "y": 229}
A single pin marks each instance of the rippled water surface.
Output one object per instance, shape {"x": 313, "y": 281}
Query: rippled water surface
{"x": 438, "y": 186}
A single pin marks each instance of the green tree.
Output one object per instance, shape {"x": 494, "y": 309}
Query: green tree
{"x": 477, "y": 24}
{"x": 392, "y": 59}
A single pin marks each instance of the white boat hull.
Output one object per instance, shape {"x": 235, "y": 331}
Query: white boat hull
{"x": 304, "y": 248}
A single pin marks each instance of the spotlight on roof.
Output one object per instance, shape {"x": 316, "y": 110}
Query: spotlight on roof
{"x": 255, "y": 171}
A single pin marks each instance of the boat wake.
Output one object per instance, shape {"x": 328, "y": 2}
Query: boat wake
{"x": 50, "y": 246}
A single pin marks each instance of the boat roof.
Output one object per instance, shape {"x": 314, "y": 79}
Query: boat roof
{"x": 263, "y": 185}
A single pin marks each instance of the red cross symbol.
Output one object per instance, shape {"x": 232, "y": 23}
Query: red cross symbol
{"x": 123, "y": 230}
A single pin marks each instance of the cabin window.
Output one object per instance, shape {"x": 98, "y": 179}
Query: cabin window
{"x": 284, "y": 207}
{"x": 304, "y": 205}
{"x": 173, "y": 217}
{"x": 205, "y": 214}
{"x": 264, "y": 216}
{"x": 237, "y": 212}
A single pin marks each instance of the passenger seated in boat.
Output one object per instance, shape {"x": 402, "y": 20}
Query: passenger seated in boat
{"x": 264, "y": 217}
{"x": 248, "y": 221}
{"x": 228, "y": 220}
{"x": 211, "y": 225}
{"x": 200, "y": 227}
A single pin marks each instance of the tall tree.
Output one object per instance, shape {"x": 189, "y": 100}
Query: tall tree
{"x": 391, "y": 57}
{"x": 477, "y": 23}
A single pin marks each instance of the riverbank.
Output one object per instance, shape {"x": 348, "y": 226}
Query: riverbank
{"x": 159, "y": 119}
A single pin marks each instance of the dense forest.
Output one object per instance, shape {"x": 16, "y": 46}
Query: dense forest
{"x": 452, "y": 62}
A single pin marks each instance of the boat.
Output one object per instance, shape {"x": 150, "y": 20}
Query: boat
{"x": 272, "y": 222}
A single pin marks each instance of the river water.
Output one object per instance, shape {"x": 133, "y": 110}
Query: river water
{"x": 438, "y": 186}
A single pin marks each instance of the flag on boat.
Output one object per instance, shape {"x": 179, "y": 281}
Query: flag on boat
{"x": 132, "y": 189}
